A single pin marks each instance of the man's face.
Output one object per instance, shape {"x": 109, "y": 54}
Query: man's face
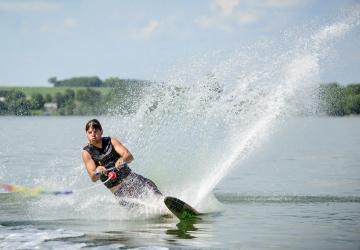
{"x": 94, "y": 135}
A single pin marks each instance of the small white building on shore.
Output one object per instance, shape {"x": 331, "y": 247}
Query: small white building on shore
{"x": 50, "y": 106}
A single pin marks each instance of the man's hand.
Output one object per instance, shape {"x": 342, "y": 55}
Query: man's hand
{"x": 101, "y": 170}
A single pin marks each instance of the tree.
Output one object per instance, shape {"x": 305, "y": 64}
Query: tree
{"x": 3, "y": 108}
{"x": 83, "y": 81}
{"x": 69, "y": 95}
{"x": 17, "y": 104}
{"x": 114, "y": 82}
{"x": 66, "y": 102}
{"x": 353, "y": 89}
{"x": 352, "y": 105}
{"x": 69, "y": 99}
{"x": 60, "y": 100}
{"x": 4, "y": 93}
{"x": 333, "y": 98}
{"x": 48, "y": 98}
{"x": 52, "y": 80}
{"x": 37, "y": 101}
{"x": 91, "y": 101}
{"x": 88, "y": 96}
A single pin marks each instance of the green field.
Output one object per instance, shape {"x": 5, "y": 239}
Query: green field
{"x": 52, "y": 90}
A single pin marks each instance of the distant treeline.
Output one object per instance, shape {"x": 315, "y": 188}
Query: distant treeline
{"x": 338, "y": 100}
{"x": 81, "y": 97}
{"x": 93, "y": 81}
{"x": 93, "y": 96}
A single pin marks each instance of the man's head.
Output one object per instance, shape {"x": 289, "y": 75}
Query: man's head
{"x": 93, "y": 131}
{"x": 94, "y": 123}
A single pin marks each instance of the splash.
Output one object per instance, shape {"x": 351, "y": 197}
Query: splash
{"x": 211, "y": 113}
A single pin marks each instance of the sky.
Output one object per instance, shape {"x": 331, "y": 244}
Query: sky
{"x": 142, "y": 39}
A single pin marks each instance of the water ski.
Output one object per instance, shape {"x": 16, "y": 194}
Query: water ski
{"x": 180, "y": 209}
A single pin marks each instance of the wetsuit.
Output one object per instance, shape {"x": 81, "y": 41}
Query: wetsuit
{"x": 132, "y": 185}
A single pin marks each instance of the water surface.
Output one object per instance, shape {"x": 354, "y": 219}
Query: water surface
{"x": 300, "y": 190}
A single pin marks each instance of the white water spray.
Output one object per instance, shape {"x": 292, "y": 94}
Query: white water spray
{"x": 299, "y": 72}
{"x": 189, "y": 132}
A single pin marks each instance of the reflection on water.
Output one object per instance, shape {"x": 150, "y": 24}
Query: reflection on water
{"x": 184, "y": 229}
{"x": 111, "y": 234}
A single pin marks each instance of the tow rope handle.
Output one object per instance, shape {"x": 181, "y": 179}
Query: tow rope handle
{"x": 111, "y": 173}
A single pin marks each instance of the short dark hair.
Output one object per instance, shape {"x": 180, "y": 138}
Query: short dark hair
{"x": 94, "y": 123}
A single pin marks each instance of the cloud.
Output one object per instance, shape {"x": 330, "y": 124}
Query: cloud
{"x": 247, "y": 17}
{"x": 226, "y": 15}
{"x": 30, "y": 6}
{"x": 67, "y": 24}
{"x": 280, "y": 3}
{"x": 70, "y": 23}
{"x": 147, "y": 31}
{"x": 227, "y": 6}
{"x": 212, "y": 22}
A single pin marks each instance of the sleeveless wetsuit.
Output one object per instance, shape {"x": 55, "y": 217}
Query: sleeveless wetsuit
{"x": 107, "y": 156}
{"x": 132, "y": 185}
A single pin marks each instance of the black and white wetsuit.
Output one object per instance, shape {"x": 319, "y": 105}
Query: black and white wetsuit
{"x": 131, "y": 185}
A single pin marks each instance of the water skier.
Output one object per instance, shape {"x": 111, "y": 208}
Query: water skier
{"x": 106, "y": 159}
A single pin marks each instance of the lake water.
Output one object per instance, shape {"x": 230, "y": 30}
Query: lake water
{"x": 300, "y": 189}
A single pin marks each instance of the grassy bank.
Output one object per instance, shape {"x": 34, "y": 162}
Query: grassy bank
{"x": 334, "y": 99}
{"x": 67, "y": 100}
{"x": 28, "y": 91}
{"x": 53, "y": 100}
